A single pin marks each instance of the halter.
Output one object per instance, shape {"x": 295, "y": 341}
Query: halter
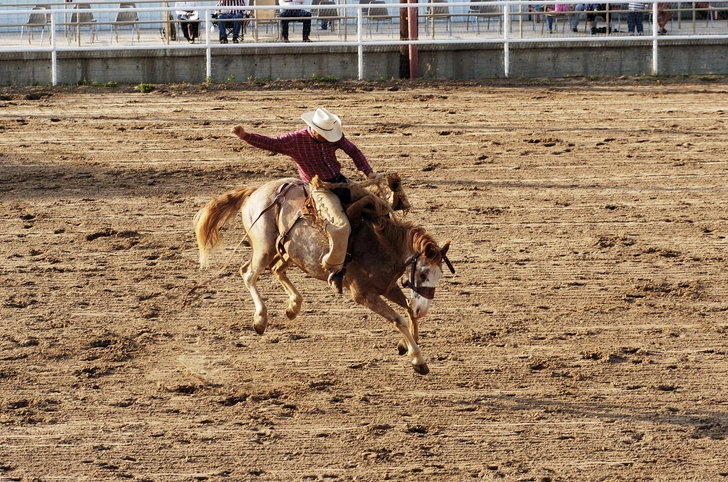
{"x": 424, "y": 291}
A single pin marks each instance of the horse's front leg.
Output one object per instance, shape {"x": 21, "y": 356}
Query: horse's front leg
{"x": 380, "y": 307}
{"x": 396, "y": 295}
{"x": 414, "y": 324}
{"x": 294, "y": 297}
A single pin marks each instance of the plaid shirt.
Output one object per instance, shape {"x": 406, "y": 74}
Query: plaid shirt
{"x": 311, "y": 157}
{"x": 231, "y": 3}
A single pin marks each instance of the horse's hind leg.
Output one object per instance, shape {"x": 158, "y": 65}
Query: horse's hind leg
{"x": 294, "y": 297}
{"x": 254, "y": 267}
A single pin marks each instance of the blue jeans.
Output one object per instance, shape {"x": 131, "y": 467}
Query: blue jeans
{"x": 550, "y": 22}
{"x": 580, "y": 7}
{"x": 287, "y": 12}
{"x": 237, "y": 26}
{"x": 635, "y": 19}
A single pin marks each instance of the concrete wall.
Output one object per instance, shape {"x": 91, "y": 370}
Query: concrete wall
{"x": 461, "y": 61}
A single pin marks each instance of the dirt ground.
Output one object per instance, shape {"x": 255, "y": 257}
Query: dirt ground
{"x": 583, "y": 336}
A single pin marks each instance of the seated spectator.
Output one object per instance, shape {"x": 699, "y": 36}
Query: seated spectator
{"x": 536, "y": 8}
{"x": 595, "y": 11}
{"x": 580, "y": 7}
{"x": 289, "y": 9}
{"x": 233, "y": 13}
{"x": 635, "y": 18}
{"x": 552, "y": 11}
{"x": 188, "y": 20}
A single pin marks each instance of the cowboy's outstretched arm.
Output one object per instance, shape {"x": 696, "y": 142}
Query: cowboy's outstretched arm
{"x": 281, "y": 144}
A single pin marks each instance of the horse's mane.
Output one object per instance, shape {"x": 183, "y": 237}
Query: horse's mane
{"x": 397, "y": 232}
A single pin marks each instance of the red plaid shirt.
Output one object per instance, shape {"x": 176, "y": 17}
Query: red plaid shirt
{"x": 311, "y": 156}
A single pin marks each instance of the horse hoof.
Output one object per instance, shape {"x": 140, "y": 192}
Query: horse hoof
{"x": 259, "y": 328}
{"x": 291, "y": 313}
{"x": 402, "y": 347}
{"x": 422, "y": 369}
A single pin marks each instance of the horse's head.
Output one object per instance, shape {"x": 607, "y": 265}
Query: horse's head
{"x": 422, "y": 273}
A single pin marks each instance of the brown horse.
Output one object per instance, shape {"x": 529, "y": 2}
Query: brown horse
{"x": 382, "y": 249}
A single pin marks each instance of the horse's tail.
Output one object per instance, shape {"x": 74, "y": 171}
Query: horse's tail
{"x": 209, "y": 219}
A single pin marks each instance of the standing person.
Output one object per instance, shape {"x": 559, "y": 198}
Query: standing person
{"x": 313, "y": 149}
{"x": 188, "y": 20}
{"x": 231, "y": 13}
{"x": 289, "y": 8}
{"x": 635, "y": 18}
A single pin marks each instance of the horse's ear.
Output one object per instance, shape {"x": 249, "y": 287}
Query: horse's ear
{"x": 431, "y": 251}
{"x": 445, "y": 247}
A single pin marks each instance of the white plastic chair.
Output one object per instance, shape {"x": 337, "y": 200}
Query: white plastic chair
{"x": 38, "y": 19}
{"x": 80, "y": 19}
{"x": 328, "y": 15}
{"x": 438, "y": 10}
{"x": 376, "y": 14}
{"x": 487, "y": 12}
{"x": 127, "y": 17}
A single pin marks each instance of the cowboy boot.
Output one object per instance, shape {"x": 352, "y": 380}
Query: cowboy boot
{"x": 336, "y": 279}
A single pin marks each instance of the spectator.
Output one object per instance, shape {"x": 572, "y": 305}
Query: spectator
{"x": 536, "y": 8}
{"x": 557, "y": 9}
{"x": 597, "y": 10}
{"x": 580, "y": 7}
{"x": 230, "y": 13}
{"x": 289, "y": 9}
{"x": 635, "y": 18}
{"x": 188, "y": 20}
{"x": 663, "y": 16}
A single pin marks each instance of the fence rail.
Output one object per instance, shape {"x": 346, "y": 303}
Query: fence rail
{"x": 91, "y": 26}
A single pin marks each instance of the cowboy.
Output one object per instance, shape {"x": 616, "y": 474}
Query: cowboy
{"x": 313, "y": 149}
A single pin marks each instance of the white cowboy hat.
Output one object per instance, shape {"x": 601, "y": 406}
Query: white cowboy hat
{"x": 325, "y": 123}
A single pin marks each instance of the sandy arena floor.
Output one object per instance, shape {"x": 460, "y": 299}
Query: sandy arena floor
{"x": 583, "y": 337}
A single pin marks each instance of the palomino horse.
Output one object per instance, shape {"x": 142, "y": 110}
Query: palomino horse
{"x": 382, "y": 250}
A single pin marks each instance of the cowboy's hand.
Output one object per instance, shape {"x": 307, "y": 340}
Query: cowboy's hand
{"x": 239, "y": 131}
{"x": 373, "y": 175}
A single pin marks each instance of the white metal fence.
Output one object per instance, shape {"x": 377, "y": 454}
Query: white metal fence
{"x": 26, "y": 27}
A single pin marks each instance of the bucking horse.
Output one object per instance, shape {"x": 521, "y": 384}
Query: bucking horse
{"x": 282, "y": 230}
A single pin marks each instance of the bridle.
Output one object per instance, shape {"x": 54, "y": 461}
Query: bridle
{"x": 427, "y": 292}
